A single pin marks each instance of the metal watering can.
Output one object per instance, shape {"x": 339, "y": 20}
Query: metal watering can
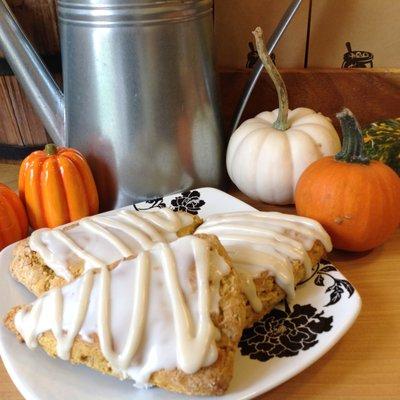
{"x": 139, "y": 97}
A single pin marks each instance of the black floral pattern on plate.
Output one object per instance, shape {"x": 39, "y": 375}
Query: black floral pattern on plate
{"x": 284, "y": 333}
{"x": 148, "y": 204}
{"x": 188, "y": 201}
{"x": 324, "y": 274}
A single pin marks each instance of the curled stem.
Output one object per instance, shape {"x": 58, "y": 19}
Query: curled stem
{"x": 353, "y": 143}
{"x": 281, "y": 122}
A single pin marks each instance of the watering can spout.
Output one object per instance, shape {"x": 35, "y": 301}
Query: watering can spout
{"x": 37, "y": 82}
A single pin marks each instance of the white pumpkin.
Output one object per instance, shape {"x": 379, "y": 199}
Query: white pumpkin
{"x": 265, "y": 163}
{"x": 267, "y": 154}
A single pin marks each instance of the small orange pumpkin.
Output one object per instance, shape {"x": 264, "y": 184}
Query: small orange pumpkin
{"x": 355, "y": 199}
{"x": 57, "y": 187}
{"x": 13, "y": 219}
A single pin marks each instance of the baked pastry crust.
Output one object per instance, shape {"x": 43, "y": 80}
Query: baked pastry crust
{"x": 268, "y": 290}
{"x": 212, "y": 380}
{"x": 28, "y": 267}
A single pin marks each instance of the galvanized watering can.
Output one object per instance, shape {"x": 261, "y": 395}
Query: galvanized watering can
{"x": 139, "y": 97}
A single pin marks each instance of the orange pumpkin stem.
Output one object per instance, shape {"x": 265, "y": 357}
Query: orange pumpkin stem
{"x": 353, "y": 143}
{"x": 281, "y": 122}
{"x": 50, "y": 149}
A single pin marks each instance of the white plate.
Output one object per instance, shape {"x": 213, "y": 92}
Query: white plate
{"x": 286, "y": 342}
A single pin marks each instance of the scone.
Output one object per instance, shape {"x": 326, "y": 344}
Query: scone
{"x": 171, "y": 317}
{"x": 270, "y": 251}
{"x": 52, "y": 257}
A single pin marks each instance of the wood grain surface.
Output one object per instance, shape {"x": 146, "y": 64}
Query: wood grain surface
{"x": 365, "y": 364}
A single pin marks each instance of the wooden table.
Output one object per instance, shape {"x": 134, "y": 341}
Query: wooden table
{"x": 365, "y": 364}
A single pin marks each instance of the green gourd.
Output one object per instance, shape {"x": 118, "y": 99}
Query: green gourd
{"x": 382, "y": 142}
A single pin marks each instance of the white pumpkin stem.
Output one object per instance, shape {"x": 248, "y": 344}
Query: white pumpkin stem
{"x": 281, "y": 122}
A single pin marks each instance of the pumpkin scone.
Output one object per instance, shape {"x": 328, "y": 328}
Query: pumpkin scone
{"x": 53, "y": 257}
{"x": 270, "y": 251}
{"x": 171, "y": 317}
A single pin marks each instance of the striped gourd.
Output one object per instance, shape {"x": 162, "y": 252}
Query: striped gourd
{"x": 382, "y": 142}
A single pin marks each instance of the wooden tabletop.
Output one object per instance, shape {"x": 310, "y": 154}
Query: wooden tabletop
{"x": 365, "y": 364}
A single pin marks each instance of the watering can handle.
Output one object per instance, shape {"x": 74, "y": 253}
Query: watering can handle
{"x": 37, "y": 82}
{"x": 272, "y": 42}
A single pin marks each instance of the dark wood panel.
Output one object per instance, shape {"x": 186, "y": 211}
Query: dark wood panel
{"x": 19, "y": 125}
{"x": 38, "y": 19}
{"x": 371, "y": 94}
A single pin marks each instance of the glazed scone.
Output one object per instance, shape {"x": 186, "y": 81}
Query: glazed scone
{"x": 50, "y": 257}
{"x": 271, "y": 252}
{"x": 195, "y": 359}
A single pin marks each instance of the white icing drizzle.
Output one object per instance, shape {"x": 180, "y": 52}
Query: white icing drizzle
{"x": 144, "y": 225}
{"x": 26, "y": 323}
{"x": 192, "y": 348}
{"x": 96, "y": 228}
{"x": 166, "y": 219}
{"x": 66, "y": 340}
{"x": 50, "y": 258}
{"x": 266, "y": 241}
{"x": 137, "y": 322}
{"x": 251, "y": 263}
{"x": 307, "y": 229}
{"x": 92, "y": 260}
{"x": 147, "y": 313}
{"x": 143, "y": 240}
{"x": 249, "y": 289}
{"x": 104, "y": 239}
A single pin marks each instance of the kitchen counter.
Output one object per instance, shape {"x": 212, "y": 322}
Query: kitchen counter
{"x": 365, "y": 363}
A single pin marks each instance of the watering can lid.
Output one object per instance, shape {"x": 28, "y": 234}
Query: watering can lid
{"x": 126, "y": 3}
{"x": 110, "y": 12}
